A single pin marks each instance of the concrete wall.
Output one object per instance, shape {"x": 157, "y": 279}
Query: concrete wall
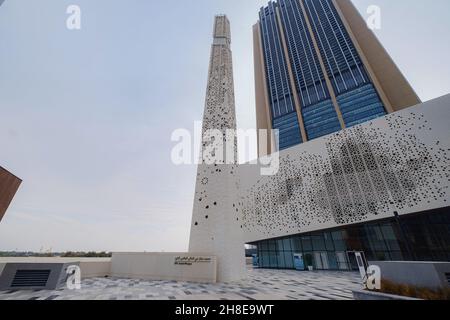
{"x": 149, "y": 266}
{"x": 216, "y": 217}
{"x": 421, "y": 274}
{"x": 378, "y": 296}
{"x": 164, "y": 266}
{"x": 56, "y": 277}
{"x": 90, "y": 267}
{"x": 95, "y": 269}
{"x": 263, "y": 115}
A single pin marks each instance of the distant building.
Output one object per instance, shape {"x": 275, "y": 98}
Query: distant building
{"x": 9, "y": 184}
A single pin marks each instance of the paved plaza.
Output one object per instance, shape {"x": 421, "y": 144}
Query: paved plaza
{"x": 260, "y": 285}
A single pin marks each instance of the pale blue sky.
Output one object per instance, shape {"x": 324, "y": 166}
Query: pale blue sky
{"x": 86, "y": 116}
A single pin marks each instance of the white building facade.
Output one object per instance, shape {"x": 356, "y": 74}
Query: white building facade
{"x": 380, "y": 188}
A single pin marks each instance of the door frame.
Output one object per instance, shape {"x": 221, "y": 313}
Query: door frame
{"x": 363, "y": 255}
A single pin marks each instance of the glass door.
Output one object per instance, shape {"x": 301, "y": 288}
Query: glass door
{"x": 324, "y": 258}
{"x": 342, "y": 261}
{"x": 318, "y": 261}
{"x": 321, "y": 260}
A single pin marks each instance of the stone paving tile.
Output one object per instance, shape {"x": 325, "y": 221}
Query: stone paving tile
{"x": 260, "y": 285}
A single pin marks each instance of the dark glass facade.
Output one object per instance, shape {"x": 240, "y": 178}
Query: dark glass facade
{"x": 356, "y": 96}
{"x": 319, "y": 114}
{"x": 284, "y": 114}
{"x": 421, "y": 237}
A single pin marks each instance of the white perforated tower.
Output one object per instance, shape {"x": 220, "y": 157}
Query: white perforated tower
{"x": 216, "y": 220}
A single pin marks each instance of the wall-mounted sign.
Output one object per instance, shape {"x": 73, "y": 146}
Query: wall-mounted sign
{"x": 189, "y": 261}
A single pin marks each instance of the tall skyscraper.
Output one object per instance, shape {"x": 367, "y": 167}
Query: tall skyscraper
{"x": 216, "y": 220}
{"x": 320, "y": 69}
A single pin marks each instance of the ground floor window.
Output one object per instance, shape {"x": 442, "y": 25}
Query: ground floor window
{"x": 421, "y": 237}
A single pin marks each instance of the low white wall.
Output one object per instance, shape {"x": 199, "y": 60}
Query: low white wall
{"x": 188, "y": 267}
{"x": 421, "y": 274}
{"x": 95, "y": 269}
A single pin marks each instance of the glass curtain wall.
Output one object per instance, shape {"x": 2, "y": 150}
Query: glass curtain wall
{"x": 427, "y": 234}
